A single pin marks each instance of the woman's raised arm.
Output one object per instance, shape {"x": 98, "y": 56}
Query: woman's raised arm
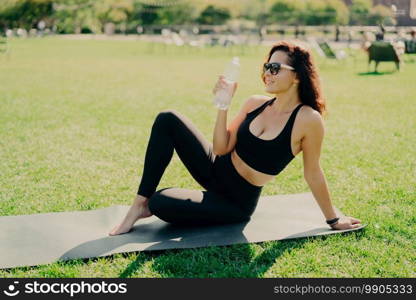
{"x": 225, "y": 139}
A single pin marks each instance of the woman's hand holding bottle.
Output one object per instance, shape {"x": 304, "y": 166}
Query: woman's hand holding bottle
{"x": 227, "y": 84}
{"x": 224, "y": 91}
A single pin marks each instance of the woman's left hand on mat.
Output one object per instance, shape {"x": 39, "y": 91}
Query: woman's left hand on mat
{"x": 347, "y": 223}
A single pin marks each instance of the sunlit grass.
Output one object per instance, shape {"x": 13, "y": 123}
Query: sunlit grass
{"x": 75, "y": 118}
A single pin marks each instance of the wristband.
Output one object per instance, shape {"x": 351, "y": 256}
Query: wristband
{"x": 332, "y": 221}
{"x": 332, "y": 225}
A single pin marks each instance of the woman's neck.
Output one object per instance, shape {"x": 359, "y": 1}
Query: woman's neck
{"x": 285, "y": 102}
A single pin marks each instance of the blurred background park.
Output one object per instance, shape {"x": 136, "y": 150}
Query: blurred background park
{"x": 335, "y": 19}
{"x": 81, "y": 82}
{"x": 329, "y": 26}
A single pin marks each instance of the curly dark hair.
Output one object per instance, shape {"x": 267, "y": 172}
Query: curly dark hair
{"x": 309, "y": 87}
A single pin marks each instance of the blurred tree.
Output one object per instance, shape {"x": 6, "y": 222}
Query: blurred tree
{"x": 144, "y": 14}
{"x": 253, "y": 10}
{"x": 340, "y": 10}
{"x": 5, "y": 7}
{"x": 76, "y": 16}
{"x": 113, "y": 11}
{"x": 234, "y": 7}
{"x": 286, "y": 11}
{"x": 309, "y": 12}
{"x": 213, "y": 15}
{"x": 359, "y": 11}
{"x": 381, "y": 14}
{"x": 24, "y": 13}
{"x": 181, "y": 13}
{"x": 326, "y": 12}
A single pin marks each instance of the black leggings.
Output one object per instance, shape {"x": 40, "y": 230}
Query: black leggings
{"x": 227, "y": 197}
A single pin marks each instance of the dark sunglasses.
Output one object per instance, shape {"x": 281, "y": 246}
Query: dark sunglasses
{"x": 275, "y": 67}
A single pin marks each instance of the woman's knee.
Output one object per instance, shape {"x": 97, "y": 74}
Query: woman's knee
{"x": 166, "y": 116}
{"x": 155, "y": 202}
{"x": 166, "y": 119}
{"x": 161, "y": 207}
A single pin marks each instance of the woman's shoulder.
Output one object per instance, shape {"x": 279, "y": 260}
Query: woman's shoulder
{"x": 255, "y": 101}
{"x": 260, "y": 98}
{"x": 310, "y": 118}
{"x": 309, "y": 114}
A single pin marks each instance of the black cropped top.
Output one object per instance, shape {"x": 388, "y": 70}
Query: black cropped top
{"x": 267, "y": 156}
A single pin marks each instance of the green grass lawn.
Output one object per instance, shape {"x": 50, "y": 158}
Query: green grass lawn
{"x": 75, "y": 117}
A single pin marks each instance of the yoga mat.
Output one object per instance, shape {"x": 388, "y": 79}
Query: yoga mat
{"x": 29, "y": 240}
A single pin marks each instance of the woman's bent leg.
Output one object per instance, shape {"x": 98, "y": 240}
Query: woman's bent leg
{"x": 171, "y": 130}
{"x": 194, "y": 207}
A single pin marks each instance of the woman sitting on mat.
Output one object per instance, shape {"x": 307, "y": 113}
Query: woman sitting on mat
{"x": 258, "y": 144}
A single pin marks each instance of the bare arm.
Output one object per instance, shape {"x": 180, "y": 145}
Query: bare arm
{"x": 226, "y": 138}
{"x": 319, "y": 188}
{"x": 314, "y": 176}
{"x": 313, "y": 173}
{"x": 221, "y": 134}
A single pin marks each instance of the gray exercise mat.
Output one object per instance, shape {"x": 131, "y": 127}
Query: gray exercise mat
{"x": 29, "y": 240}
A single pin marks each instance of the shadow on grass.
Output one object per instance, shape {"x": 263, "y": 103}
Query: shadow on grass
{"x": 376, "y": 73}
{"x": 230, "y": 261}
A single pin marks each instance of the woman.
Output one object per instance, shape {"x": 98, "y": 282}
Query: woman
{"x": 262, "y": 139}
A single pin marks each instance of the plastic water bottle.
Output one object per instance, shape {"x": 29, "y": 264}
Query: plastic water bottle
{"x": 222, "y": 98}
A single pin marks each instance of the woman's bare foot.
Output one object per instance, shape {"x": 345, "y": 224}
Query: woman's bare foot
{"x": 138, "y": 210}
